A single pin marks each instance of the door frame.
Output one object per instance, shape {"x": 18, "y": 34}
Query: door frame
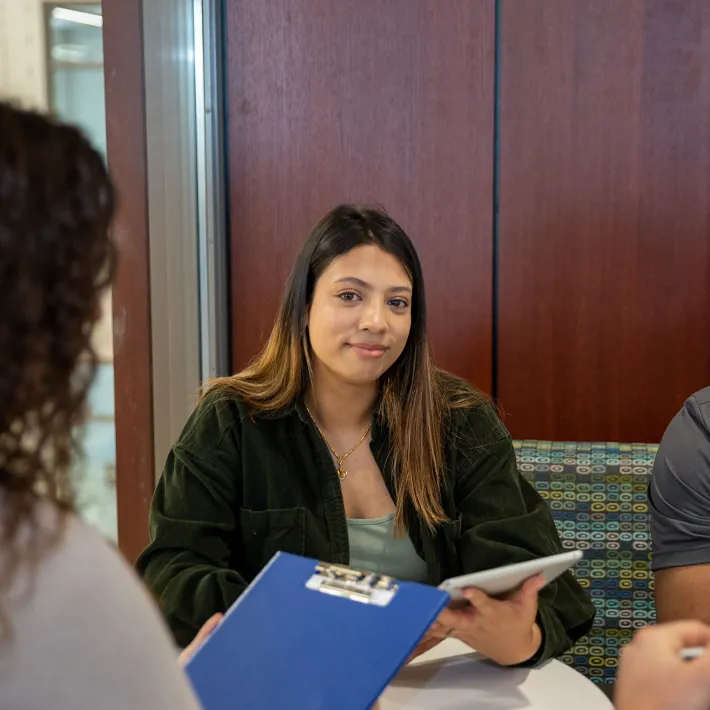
{"x": 170, "y": 293}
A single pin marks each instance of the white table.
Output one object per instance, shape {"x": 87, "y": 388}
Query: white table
{"x": 452, "y": 677}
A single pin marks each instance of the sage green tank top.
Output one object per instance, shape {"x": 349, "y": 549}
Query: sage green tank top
{"x": 374, "y": 548}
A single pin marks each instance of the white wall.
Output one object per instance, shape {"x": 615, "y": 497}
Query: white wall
{"x": 22, "y": 52}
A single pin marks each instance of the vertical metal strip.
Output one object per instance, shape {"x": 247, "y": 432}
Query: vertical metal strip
{"x": 212, "y": 237}
{"x": 169, "y": 50}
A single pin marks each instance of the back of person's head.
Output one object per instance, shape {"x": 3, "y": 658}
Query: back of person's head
{"x": 56, "y": 257}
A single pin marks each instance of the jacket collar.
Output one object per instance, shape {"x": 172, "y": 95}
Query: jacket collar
{"x": 297, "y": 408}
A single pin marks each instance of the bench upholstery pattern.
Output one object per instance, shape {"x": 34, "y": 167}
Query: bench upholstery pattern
{"x": 597, "y": 494}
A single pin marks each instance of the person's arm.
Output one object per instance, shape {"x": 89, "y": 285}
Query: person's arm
{"x": 679, "y": 502}
{"x": 189, "y": 563}
{"x": 503, "y": 521}
{"x": 682, "y": 593}
{"x": 653, "y": 676}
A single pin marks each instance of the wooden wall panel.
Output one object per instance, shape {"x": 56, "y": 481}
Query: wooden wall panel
{"x": 125, "y": 133}
{"x": 387, "y": 101}
{"x": 604, "y": 232}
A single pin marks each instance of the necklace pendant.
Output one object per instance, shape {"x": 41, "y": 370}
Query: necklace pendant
{"x": 342, "y": 473}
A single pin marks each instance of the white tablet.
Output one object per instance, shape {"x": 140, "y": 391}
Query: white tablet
{"x": 500, "y": 580}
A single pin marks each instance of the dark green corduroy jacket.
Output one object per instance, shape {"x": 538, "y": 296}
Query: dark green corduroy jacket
{"x": 238, "y": 487}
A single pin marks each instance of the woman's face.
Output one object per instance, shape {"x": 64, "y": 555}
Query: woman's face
{"x": 360, "y": 315}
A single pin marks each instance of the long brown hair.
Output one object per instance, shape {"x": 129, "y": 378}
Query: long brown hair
{"x": 416, "y": 397}
{"x": 56, "y": 203}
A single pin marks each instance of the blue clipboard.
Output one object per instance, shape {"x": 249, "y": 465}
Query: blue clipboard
{"x": 307, "y": 635}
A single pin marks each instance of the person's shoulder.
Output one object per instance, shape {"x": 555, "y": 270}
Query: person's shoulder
{"x": 222, "y": 402}
{"x": 223, "y": 410}
{"x": 83, "y": 589}
{"x": 681, "y": 470}
{"x": 687, "y": 437}
{"x": 680, "y": 488}
{"x": 701, "y": 401}
{"x": 81, "y": 554}
{"x": 68, "y": 569}
{"x": 218, "y": 412}
{"x": 473, "y": 417}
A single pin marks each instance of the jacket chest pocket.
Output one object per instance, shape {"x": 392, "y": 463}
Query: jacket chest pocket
{"x": 266, "y": 532}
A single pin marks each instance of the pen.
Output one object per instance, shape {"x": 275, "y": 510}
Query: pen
{"x": 689, "y": 654}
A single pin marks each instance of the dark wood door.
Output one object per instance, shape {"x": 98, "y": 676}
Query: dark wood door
{"x": 604, "y": 231}
{"x": 387, "y": 101}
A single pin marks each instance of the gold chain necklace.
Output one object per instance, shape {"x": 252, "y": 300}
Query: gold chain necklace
{"x": 341, "y": 471}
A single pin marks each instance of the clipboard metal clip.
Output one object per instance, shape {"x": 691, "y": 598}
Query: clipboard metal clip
{"x": 363, "y": 587}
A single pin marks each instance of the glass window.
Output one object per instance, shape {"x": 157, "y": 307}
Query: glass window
{"x": 75, "y": 82}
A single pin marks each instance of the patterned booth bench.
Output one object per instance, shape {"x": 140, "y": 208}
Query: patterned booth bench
{"x": 597, "y": 493}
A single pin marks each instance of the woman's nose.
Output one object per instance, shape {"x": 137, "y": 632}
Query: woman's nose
{"x": 373, "y": 317}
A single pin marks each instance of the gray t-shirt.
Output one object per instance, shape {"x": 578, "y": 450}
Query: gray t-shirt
{"x": 86, "y": 635}
{"x": 679, "y": 492}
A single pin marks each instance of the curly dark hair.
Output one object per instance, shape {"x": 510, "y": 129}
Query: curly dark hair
{"x": 56, "y": 257}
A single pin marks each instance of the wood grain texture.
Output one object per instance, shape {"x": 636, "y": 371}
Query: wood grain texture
{"x": 125, "y": 132}
{"x": 386, "y": 101}
{"x": 604, "y": 233}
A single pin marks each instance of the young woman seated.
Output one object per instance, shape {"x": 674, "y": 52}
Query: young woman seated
{"x": 344, "y": 442}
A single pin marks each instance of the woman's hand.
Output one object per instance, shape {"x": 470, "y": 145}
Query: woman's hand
{"x": 653, "y": 676}
{"x": 429, "y": 640}
{"x": 209, "y": 626}
{"x": 505, "y": 630}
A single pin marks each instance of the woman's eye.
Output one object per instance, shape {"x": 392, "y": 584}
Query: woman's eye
{"x": 399, "y": 303}
{"x": 348, "y": 296}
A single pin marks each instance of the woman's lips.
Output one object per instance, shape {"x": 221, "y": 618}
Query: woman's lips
{"x": 368, "y": 350}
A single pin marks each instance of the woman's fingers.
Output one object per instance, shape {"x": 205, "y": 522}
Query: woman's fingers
{"x": 207, "y": 628}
